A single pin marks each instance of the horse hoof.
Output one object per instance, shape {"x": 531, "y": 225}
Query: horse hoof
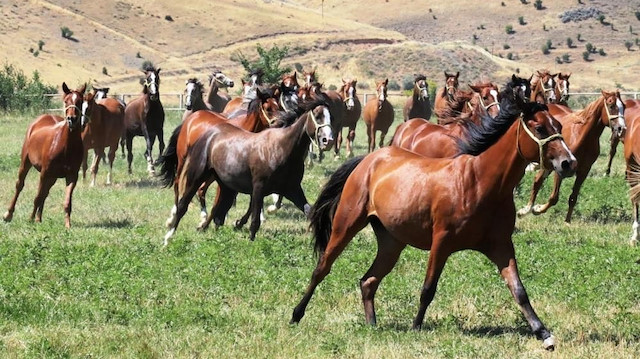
{"x": 336, "y": 158}
{"x": 238, "y": 225}
{"x": 633, "y": 242}
{"x": 524, "y": 211}
{"x": 272, "y": 209}
{"x": 7, "y": 217}
{"x": 538, "y": 210}
{"x": 549, "y": 343}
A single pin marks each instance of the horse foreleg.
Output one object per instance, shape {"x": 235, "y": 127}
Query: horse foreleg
{"x": 371, "y": 137}
{"x": 553, "y": 198}
{"x": 337, "y": 144}
{"x": 277, "y": 203}
{"x": 573, "y": 198}
{"x": 243, "y": 220}
{"x": 98, "y": 155}
{"x": 537, "y": 184}
{"x": 612, "y": 152}
{"x": 84, "y": 164}
{"x": 44, "y": 186}
{"x": 382, "y": 135}
{"x": 129, "y": 144}
{"x": 151, "y": 138}
{"x": 437, "y": 259}
{"x": 350, "y": 140}
{"x": 25, "y": 166}
{"x": 503, "y": 256}
{"x": 71, "y": 184}
{"x": 257, "y": 201}
{"x": 202, "y": 198}
{"x": 635, "y": 226}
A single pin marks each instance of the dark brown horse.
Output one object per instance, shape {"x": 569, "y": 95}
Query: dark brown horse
{"x": 446, "y": 94}
{"x": 103, "y": 123}
{"x": 441, "y": 205}
{"x": 287, "y": 92}
{"x": 543, "y": 87}
{"x": 581, "y": 131}
{"x": 271, "y": 161}
{"x": 144, "y": 116}
{"x": 418, "y": 105}
{"x": 53, "y": 146}
{"x": 216, "y": 100}
{"x": 352, "y": 112}
{"x": 378, "y": 115}
{"x": 261, "y": 115}
{"x": 632, "y": 158}
{"x": 193, "y": 98}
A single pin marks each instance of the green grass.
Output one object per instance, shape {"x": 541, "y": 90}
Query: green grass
{"x": 106, "y": 288}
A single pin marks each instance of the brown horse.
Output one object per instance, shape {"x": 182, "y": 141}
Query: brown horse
{"x": 53, "y": 146}
{"x": 582, "y": 132}
{"x": 418, "y": 105}
{"x": 352, "y": 111}
{"x": 238, "y": 105}
{"x": 103, "y": 123}
{"x": 441, "y": 205}
{"x": 543, "y": 87}
{"x": 271, "y": 161}
{"x": 562, "y": 88}
{"x": 309, "y": 78}
{"x": 193, "y": 98}
{"x": 632, "y": 158}
{"x": 446, "y": 94}
{"x": 378, "y": 115}
{"x": 215, "y": 99}
{"x": 287, "y": 92}
{"x": 260, "y": 116}
{"x": 144, "y": 116}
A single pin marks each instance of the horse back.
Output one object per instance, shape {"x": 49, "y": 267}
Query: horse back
{"x": 134, "y": 113}
{"x": 50, "y": 144}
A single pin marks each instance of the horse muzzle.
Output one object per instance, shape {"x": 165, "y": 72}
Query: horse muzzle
{"x": 565, "y": 166}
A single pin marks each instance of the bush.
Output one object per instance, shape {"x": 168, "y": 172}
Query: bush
{"x": 558, "y": 60}
{"x": 585, "y": 55}
{"x": 332, "y": 87}
{"x": 66, "y": 32}
{"x": 521, "y": 20}
{"x": 549, "y": 44}
{"x": 40, "y": 45}
{"x": 601, "y": 52}
{"x": 509, "y": 29}
{"x": 362, "y": 85}
{"x": 268, "y": 60}
{"x": 545, "y": 49}
{"x": 638, "y": 15}
{"x": 569, "y": 42}
{"x": 506, "y": 46}
{"x": 538, "y": 4}
{"x": 579, "y": 37}
{"x": 510, "y": 56}
{"x": 601, "y": 18}
{"x": 566, "y": 58}
{"x": 393, "y": 85}
{"x": 138, "y": 55}
{"x": 36, "y": 53}
{"x": 589, "y": 47}
{"x": 104, "y": 71}
{"x": 628, "y": 45}
{"x": 20, "y": 93}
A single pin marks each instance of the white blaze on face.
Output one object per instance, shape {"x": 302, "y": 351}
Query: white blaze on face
{"x": 621, "y": 121}
{"x": 326, "y": 130}
{"x": 494, "y": 94}
{"x": 565, "y": 88}
{"x": 154, "y": 86}
{"x": 350, "y": 102}
{"x": 552, "y": 94}
{"x": 85, "y": 108}
{"x": 191, "y": 88}
{"x": 381, "y": 93}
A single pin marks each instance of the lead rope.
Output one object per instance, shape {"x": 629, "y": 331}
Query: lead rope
{"x": 540, "y": 142}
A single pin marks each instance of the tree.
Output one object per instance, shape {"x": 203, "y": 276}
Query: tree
{"x": 40, "y": 45}
{"x": 585, "y": 55}
{"x": 66, "y": 32}
{"x": 566, "y": 58}
{"x": 601, "y": 18}
{"x": 545, "y": 49}
{"x": 569, "y": 42}
{"x": 589, "y": 47}
{"x": 268, "y": 60}
{"x": 521, "y": 20}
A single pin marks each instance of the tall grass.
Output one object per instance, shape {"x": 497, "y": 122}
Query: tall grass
{"x": 106, "y": 288}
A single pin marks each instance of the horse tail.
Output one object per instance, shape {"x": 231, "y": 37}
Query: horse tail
{"x": 168, "y": 161}
{"x": 633, "y": 178}
{"x": 321, "y": 215}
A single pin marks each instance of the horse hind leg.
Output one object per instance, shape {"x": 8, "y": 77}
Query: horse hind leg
{"x": 25, "y": 166}
{"x": 129, "y": 144}
{"x": 202, "y": 198}
{"x": 98, "y": 155}
{"x": 225, "y": 198}
{"x": 537, "y": 184}
{"x": 382, "y": 135}
{"x": 111, "y": 157}
{"x": 71, "y": 184}
{"x": 84, "y": 165}
{"x": 43, "y": 191}
{"x": 573, "y": 198}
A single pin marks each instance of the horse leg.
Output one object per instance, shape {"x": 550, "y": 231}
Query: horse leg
{"x": 636, "y": 226}
{"x": 382, "y": 134}
{"x": 160, "y": 135}
{"x": 98, "y": 155}
{"x": 112, "y": 157}
{"x": 257, "y": 201}
{"x": 389, "y": 250}
{"x": 371, "y": 133}
{"x": 225, "y": 198}
{"x": 310, "y": 155}
{"x": 573, "y": 198}
{"x": 129, "y": 143}
{"x": 25, "y": 166}
{"x": 181, "y": 206}
{"x": 150, "y": 138}
{"x": 612, "y": 152}
{"x": 297, "y": 197}
{"x": 84, "y": 164}
{"x": 202, "y": 198}
{"x": 437, "y": 259}
{"x": 553, "y": 199}
{"x": 537, "y": 184}
{"x": 503, "y": 255}
{"x": 277, "y": 203}
{"x": 243, "y": 220}
{"x": 337, "y": 144}
{"x": 71, "y": 184}
{"x": 43, "y": 191}
{"x": 350, "y": 139}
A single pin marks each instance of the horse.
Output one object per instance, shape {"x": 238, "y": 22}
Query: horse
{"x": 632, "y": 158}
{"x": 446, "y": 94}
{"x": 562, "y": 88}
{"x": 582, "y": 132}
{"x": 237, "y": 105}
{"x": 261, "y": 115}
{"x": 287, "y": 92}
{"x": 418, "y": 105}
{"x": 217, "y": 101}
{"x": 103, "y": 123}
{"x": 543, "y": 86}
{"x": 101, "y": 93}
{"x": 352, "y": 111}
{"x": 378, "y": 114}
{"x": 53, "y": 146}
{"x": 439, "y": 204}
{"x": 440, "y": 141}
{"x": 193, "y": 99}
{"x": 271, "y": 161}
{"x": 144, "y": 116}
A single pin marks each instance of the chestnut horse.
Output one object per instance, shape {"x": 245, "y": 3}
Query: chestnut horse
{"x": 215, "y": 99}
{"x": 632, "y": 158}
{"x": 582, "y": 132}
{"x": 271, "y": 161}
{"x": 352, "y": 112}
{"x": 446, "y": 94}
{"x": 103, "y": 123}
{"x": 436, "y": 204}
{"x": 543, "y": 87}
{"x": 378, "y": 115}
{"x": 418, "y": 105}
{"x": 144, "y": 116}
{"x": 562, "y": 88}
{"x": 237, "y": 105}
{"x": 53, "y": 146}
{"x": 193, "y": 98}
{"x": 261, "y": 115}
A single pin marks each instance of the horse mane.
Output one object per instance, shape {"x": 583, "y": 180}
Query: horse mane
{"x": 150, "y": 68}
{"x": 255, "y": 103}
{"x": 508, "y": 89}
{"x": 480, "y": 137}
{"x": 420, "y": 77}
{"x": 287, "y": 118}
{"x": 580, "y": 117}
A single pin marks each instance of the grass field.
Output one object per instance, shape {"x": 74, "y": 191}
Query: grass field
{"x": 106, "y": 288}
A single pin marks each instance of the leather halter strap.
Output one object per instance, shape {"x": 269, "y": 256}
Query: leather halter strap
{"x": 540, "y": 142}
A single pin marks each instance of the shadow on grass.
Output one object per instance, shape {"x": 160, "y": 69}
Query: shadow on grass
{"x": 110, "y": 223}
{"x": 143, "y": 183}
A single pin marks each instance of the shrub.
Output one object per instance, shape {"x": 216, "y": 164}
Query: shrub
{"x": 589, "y": 47}
{"x": 19, "y": 92}
{"x": 628, "y": 45}
{"x": 509, "y": 29}
{"x": 579, "y": 37}
{"x": 544, "y": 27}
{"x": 638, "y": 15}
{"x": 31, "y": 50}
{"x": 569, "y": 42}
{"x": 393, "y": 85}
{"x": 601, "y": 52}
{"x": 168, "y": 18}
{"x": 66, "y": 32}
{"x": 521, "y": 20}
{"x": 545, "y": 49}
{"x": 510, "y": 56}
{"x": 585, "y": 55}
{"x": 538, "y": 4}
{"x": 630, "y": 29}
{"x": 566, "y": 58}
{"x": 506, "y": 46}
{"x": 40, "y": 45}
{"x": 104, "y": 71}
{"x": 362, "y": 85}
{"x": 36, "y": 53}
{"x": 558, "y": 60}
{"x": 407, "y": 83}
{"x": 549, "y": 44}
{"x": 601, "y": 18}
{"x": 138, "y": 55}
{"x": 332, "y": 87}
{"x": 268, "y": 60}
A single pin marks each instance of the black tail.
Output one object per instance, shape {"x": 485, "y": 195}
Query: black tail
{"x": 168, "y": 161}
{"x": 321, "y": 215}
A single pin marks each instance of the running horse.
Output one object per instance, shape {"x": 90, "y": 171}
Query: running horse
{"x": 441, "y": 205}
{"x": 216, "y": 100}
{"x": 144, "y": 116}
{"x": 581, "y": 131}
{"x": 378, "y": 115}
{"x": 632, "y": 159}
{"x": 446, "y": 94}
{"x": 418, "y": 105}
{"x": 352, "y": 111}
{"x": 543, "y": 87}
{"x": 53, "y": 146}
{"x": 103, "y": 123}
{"x": 236, "y": 160}
{"x": 261, "y": 115}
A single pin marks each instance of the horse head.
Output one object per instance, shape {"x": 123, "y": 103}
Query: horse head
{"x": 319, "y": 126}
{"x": 288, "y": 92}
{"x": 348, "y": 92}
{"x": 421, "y": 87}
{"x": 381, "y": 92}
{"x": 72, "y": 101}
{"x": 255, "y": 77}
{"x": 193, "y": 91}
{"x": 543, "y": 87}
{"x": 562, "y": 87}
{"x": 518, "y": 89}
{"x": 87, "y": 107}
{"x": 152, "y": 83}
{"x": 539, "y": 139}
{"x": 309, "y": 77}
{"x": 268, "y": 107}
{"x": 488, "y": 97}
{"x": 100, "y": 92}
{"x": 613, "y": 114}
{"x": 217, "y": 78}
{"x": 451, "y": 84}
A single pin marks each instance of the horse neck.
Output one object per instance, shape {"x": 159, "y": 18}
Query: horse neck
{"x": 295, "y": 139}
{"x": 199, "y": 104}
{"x": 591, "y": 123}
{"x": 250, "y": 122}
{"x": 212, "y": 95}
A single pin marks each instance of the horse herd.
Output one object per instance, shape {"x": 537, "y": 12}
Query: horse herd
{"x": 434, "y": 187}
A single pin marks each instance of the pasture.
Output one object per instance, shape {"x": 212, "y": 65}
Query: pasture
{"x": 106, "y": 288}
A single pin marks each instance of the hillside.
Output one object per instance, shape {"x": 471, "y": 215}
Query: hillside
{"x": 358, "y": 38}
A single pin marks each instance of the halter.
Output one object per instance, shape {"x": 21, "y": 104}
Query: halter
{"x": 420, "y": 90}
{"x": 540, "y": 142}
{"x": 487, "y": 107}
{"x": 282, "y": 104}
{"x": 609, "y": 114}
{"x": 69, "y": 122}
{"x": 446, "y": 89}
{"x": 316, "y": 140}
{"x": 563, "y": 96}
{"x": 545, "y": 90}
{"x": 270, "y": 121}
{"x": 219, "y": 81}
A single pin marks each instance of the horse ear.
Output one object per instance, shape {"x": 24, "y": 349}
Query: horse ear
{"x": 262, "y": 95}
{"x": 343, "y": 81}
{"x": 446, "y": 75}
{"x": 386, "y": 81}
{"x": 295, "y": 75}
{"x": 457, "y": 74}
{"x": 65, "y": 88}
{"x": 567, "y": 75}
{"x": 158, "y": 70}
{"x": 530, "y": 77}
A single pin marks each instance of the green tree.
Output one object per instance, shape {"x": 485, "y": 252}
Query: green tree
{"x": 66, "y": 32}
{"x": 521, "y": 20}
{"x": 585, "y": 55}
{"x": 589, "y": 47}
{"x": 18, "y": 92}
{"x": 269, "y": 60}
{"x": 566, "y": 58}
